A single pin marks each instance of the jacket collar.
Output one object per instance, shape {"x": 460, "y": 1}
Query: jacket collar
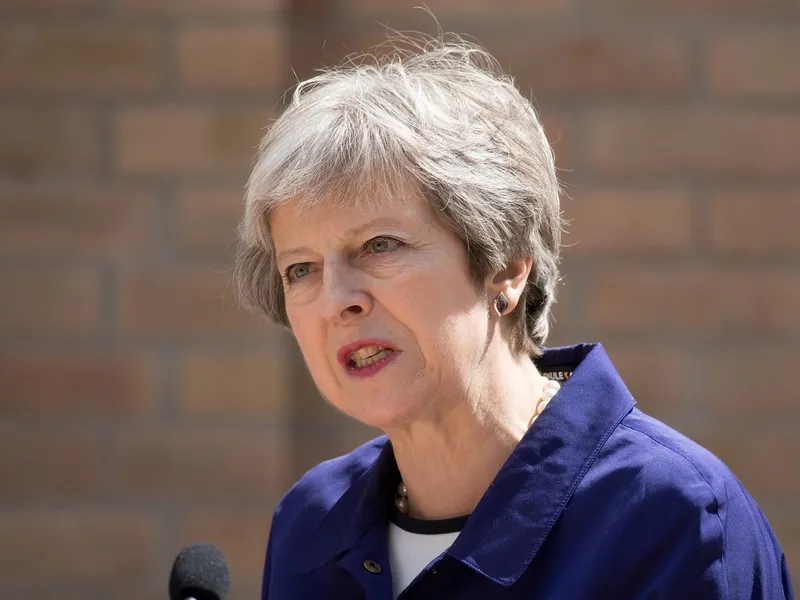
{"x": 517, "y": 512}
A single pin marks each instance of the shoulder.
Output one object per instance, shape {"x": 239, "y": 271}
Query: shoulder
{"x": 313, "y": 496}
{"x": 644, "y": 469}
{"x": 667, "y": 467}
{"x": 670, "y": 459}
{"x": 663, "y": 496}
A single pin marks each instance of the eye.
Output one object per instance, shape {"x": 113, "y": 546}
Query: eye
{"x": 296, "y": 271}
{"x": 382, "y": 244}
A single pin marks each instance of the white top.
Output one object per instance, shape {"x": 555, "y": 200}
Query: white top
{"x": 410, "y": 553}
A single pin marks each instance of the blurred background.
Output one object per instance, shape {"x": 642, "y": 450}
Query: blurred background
{"x": 140, "y": 410}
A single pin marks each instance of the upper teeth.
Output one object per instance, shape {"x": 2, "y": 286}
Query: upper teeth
{"x": 366, "y": 352}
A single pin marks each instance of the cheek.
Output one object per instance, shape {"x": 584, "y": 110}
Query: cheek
{"x": 436, "y": 301}
{"x": 308, "y": 341}
{"x": 464, "y": 331}
{"x": 451, "y": 328}
{"x": 318, "y": 367}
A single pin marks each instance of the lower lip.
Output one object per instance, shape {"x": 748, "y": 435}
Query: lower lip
{"x": 373, "y": 369}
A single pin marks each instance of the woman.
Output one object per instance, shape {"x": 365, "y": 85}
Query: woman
{"x": 402, "y": 219}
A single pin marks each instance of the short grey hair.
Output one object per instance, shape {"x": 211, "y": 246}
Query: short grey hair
{"x": 436, "y": 114}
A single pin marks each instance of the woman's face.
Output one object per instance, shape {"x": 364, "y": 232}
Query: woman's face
{"x": 385, "y": 314}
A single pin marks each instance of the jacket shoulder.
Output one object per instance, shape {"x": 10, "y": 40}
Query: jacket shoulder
{"x": 670, "y": 459}
{"x": 309, "y": 500}
{"x": 716, "y": 533}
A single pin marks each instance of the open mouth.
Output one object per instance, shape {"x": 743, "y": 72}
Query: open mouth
{"x": 367, "y": 356}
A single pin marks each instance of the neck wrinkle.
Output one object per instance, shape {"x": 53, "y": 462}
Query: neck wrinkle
{"x": 448, "y": 465}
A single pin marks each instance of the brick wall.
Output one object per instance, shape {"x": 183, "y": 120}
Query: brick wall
{"x": 139, "y": 410}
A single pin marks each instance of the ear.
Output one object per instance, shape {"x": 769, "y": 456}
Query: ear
{"x": 510, "y": 282}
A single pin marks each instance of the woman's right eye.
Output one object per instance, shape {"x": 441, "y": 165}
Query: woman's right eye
{"x": 298, "y": 271}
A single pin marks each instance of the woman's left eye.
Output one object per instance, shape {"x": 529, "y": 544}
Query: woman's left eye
{"x": 379, "y": 245}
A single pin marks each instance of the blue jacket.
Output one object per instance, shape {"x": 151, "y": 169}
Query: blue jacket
{"x": 598, "y": 500}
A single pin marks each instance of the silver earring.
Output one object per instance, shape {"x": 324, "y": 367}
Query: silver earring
{"x": 500, "y": 304}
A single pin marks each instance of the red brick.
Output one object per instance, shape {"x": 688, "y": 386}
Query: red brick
{"x": 77, "y": 386}
{"x": 693, "y": 142}
{"x": 310, "y": 447}
{"x": 761, "y": 63}
{"x": 184, "y": 7}
{"x": 755, "y": 221}
{"x": 695, "y": 301}
{"x": 788, "y": 531}
{"x": 139, "y": 591}
{"x": 507, "y": 9}
{"x": 47, "y": 140}
{"x": 593, "y": 66}
{"x": 763, "y": 461}
{"x": 49, "y": 301}
{"x": 659, "y": 378}
{"x": 560, "y": 336}
{"x": 237, "y": 385}
{"x": 47, "y": 5}
{"x": 245, "y": 591}
{"x": 91, "y": 591}
{"x": 627, "y": 221}
{"x": 75, "y": 547}
{"x": 233, "y": 58}
{"x": 43, "y": 465}
{"x": 206, "y": 220}
{"x": 240, "y": 534}
{"x": 561, "y": 134}
{"x": 201, "y": 465}
{"x": 568, "y": 302}
{"x": 187, "y": 304}
{"x": 79, "y": 58}
{"x": 752, "y": 384}
{"x": 184, "y": 139}
{"x": 94, "y": 221}
{"x": 723, "y": 9}
{"x": 310, "y": 49}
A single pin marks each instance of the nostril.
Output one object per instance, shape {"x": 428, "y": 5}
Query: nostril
{"x": 355, "y": 308}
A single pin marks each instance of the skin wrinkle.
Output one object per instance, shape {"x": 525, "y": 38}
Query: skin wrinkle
{"x": 452, "y": 421}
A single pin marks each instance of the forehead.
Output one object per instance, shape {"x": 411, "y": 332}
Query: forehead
{"x": 299, "y": 218}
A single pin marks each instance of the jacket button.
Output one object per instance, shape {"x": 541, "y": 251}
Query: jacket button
{"x": 372, "y": 566}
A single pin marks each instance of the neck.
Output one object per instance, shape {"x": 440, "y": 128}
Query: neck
{"x": 449, "y": 460}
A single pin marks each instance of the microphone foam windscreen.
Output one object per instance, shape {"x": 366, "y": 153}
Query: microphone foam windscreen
{"x": 201, "y": 572}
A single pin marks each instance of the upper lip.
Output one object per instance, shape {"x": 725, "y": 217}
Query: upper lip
{"x": 345, "y": 351}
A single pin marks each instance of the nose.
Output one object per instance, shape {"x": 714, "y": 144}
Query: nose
{"x": 344, "y": 296}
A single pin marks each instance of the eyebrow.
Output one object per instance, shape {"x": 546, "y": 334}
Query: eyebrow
{"x": 350, "y": 233}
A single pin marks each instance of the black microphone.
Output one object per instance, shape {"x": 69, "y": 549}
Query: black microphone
{"x": 200, "y": 572}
